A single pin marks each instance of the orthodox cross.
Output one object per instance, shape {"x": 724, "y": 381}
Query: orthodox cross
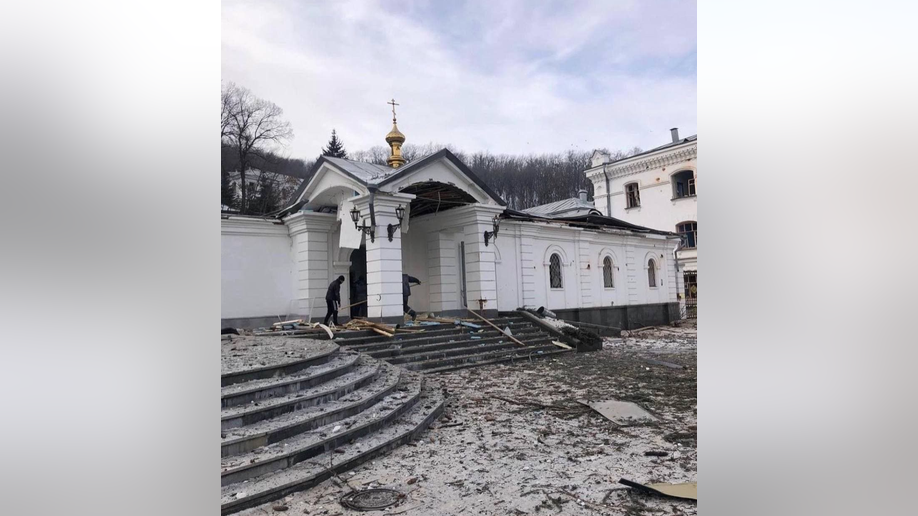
{"x": 393, "y": 104}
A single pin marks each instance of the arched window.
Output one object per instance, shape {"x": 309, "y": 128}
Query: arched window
{"x": 683, "y": 184}
{"x": 652, "y": 273}
{"x": 607, "y": 272}
{"x": 554, "y": 271}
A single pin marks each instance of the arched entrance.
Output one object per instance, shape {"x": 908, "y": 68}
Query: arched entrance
{"x": 357, "y": 281}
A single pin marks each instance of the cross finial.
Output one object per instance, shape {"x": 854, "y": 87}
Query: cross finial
{"x": 393, "y": 104}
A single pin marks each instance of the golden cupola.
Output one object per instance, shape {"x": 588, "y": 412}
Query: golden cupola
{"x": 395, "y": 139}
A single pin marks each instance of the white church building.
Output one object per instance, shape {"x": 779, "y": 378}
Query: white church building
{"x": 435, "y": 220}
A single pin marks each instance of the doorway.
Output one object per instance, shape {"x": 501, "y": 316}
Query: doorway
{"x": 357, "y": 281}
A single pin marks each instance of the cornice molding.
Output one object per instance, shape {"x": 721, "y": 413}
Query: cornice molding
{"x": 653, "y": 162}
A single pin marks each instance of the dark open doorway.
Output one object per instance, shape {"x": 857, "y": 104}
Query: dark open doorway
{"x": 357, "y": 281}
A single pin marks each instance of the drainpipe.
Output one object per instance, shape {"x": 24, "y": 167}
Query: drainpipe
{"x": 372, "y": 188}
{"x": 676, "y": 265}
{"x": 608, "y": 193}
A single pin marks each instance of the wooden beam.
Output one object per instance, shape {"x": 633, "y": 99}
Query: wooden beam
{"x": 511, "y": 337}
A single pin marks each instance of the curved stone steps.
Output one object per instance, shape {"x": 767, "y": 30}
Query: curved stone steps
{"x": 298, "y": 448}
{"x": 498, "y": 360}
{"x": 473, "y": 347}
{"x": 363, "y": 372}
{"x": 396, "y": 351}
{"x": 257, "y": 390}
{"x": 263, "y": 433}
{"x": 473, "y": 358}
{"x": 325, "y": 352}
{"x": 424, "y": 339}
{"x": 429, "y": 332}
{"x": 311, "y": 472}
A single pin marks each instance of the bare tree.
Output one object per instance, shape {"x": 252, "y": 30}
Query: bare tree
{"x": 253, "y": 127}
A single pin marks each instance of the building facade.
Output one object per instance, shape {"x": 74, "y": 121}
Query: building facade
{"x": 435, "y": 220}
{"x": 656, "y": 189}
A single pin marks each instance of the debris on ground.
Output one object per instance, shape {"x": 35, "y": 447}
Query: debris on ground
{"x": 684, "y": 490}
{"x": 589, "y": 340}
{"x": 621, "y": 412}
{"x": 514, "y": 440}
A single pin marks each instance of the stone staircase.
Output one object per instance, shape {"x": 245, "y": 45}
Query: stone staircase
{"x": 291, "y": 424}
{"x": 447, "y": 347}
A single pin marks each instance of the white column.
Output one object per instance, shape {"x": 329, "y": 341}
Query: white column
{"x": 442, "y": 271}
{"x": 528, "y": 264}
{"x": 633, "y": 271}
{"x": 587, "y": 269}
{"x": 480, "y": 269}
{"x": 384, "y": 258}
{"x": 310, "y": 233}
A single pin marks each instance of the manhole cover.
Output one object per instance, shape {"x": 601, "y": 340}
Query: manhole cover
{"x": 371, "y": 499}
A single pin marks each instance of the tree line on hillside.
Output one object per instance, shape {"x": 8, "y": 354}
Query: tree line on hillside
{"x": 257, "y": 180}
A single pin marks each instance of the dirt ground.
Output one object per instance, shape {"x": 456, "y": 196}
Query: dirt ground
{"x": 514, "y": 440}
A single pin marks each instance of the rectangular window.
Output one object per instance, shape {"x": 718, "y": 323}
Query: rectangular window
{"x": 633, "y": 194}
{"x": 689, "y": 233}
{"x": 691, "y": 186}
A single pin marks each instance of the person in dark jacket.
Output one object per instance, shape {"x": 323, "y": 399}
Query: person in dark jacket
{"x": 406, "y": 292}
{"x": 361, "y": 295}
{"x": 333, "y": 300}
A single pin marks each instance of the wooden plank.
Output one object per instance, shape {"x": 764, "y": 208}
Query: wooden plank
{"x": 294, "y": 321}
{"x": 511, "y": 337}
{"x": 377, "y": 330}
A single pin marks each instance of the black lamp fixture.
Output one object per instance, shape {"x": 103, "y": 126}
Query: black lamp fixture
{"x": 492, "y": 235}
{"x": 366, "y": 230}
{"x": 399, "y": 214}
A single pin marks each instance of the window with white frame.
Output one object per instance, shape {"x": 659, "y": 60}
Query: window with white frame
{"x": 683, "y": 184}
{"x": 554, "y": 271}
{"x": 633, "y": 195}
{"x": 607, "y": 279}
{"x": 652, "y": 273}
{"x": 688, "y": 230}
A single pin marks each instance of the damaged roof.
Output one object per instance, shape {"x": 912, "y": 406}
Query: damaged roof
{"x": 369, "y": 173}
{"x": 587, "y": 221}
{"x": 564, "y": 208}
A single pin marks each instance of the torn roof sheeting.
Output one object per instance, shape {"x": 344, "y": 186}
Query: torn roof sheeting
{"x": 566, "y": 207}
{"x": 590, "y": 221}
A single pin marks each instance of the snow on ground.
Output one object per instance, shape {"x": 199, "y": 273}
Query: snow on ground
{"x": 514, "y": 440}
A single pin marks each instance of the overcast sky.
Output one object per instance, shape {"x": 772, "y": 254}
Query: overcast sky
{"x": 501, "y": 76}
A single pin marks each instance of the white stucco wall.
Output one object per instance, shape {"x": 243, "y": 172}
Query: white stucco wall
{"x": 653, "y": 173}
{"x": 256, "y": 268}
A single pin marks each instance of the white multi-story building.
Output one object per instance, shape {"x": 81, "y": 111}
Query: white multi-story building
{"x": 655, "y": 189}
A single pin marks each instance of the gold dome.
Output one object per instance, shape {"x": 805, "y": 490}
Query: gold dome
{"x": 395, "y": 139}
{"x": 395, "y": 135}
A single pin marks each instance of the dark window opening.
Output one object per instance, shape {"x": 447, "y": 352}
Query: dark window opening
{"x": 689, "y": 233}
{"x": 632, "y": 192}
{"x": 683, "y": 184}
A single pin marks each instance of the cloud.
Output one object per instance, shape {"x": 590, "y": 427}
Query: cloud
{"x": 509, "y": 76}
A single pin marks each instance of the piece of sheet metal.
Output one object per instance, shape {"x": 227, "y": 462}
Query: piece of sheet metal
{"x": 621, "y": 412}
{"x": 684, "y": 491}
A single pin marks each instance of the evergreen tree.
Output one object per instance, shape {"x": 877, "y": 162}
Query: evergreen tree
{"x": 227, "y": 191}
{"x": 335, "y": 148}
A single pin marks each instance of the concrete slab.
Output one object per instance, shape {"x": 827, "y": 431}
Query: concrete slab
{"x": 621, "y": 412}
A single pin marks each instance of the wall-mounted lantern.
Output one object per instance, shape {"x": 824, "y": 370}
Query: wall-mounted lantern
{"x": 399, "y": 214}
{"x": 492, "y": 235}
{"x": 366, "y": 230}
